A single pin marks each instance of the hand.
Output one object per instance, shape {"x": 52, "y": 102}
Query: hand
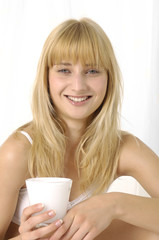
{"x": 28, "y": 230}
{"x": 87, "y": 220}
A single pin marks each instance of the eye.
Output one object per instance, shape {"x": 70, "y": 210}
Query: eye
{"x": 64, "y": 70}
{"x": 92, "y": 71}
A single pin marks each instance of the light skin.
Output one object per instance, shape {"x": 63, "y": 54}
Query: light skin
{"x": 97, "y": 217}
{"x": 77, "y": 91}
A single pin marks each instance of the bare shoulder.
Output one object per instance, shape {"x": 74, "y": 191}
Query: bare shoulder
{"x": 14, "y": 154}
{"x": 139, "y": 161}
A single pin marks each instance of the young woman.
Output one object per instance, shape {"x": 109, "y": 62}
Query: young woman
{"x": 75, "y": 133}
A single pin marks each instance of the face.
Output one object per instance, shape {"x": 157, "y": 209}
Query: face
{"x": 76, "y": 91}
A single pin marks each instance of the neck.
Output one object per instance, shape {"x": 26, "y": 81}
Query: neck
{"x": 74, "y": 132}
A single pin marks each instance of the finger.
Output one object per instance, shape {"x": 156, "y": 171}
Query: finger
{"x": 28, "y": 211}
{"x": 67, "y": 222}
{"x": 71, "y": 232}
{"x": 85, "y": 231}
{"x": 33, "y": 221}
{"x": 42, "y": 232}
{"x": 89, "y": 236}
{"x": 92, "y": 234}
{"x": 80, "y": 234}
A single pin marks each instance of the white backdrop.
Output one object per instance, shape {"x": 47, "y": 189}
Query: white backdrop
{"x": 131, "y": 25}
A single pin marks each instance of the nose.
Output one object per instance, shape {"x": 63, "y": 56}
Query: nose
{"x": 78, "y": 82}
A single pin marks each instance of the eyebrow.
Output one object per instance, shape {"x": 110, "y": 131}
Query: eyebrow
{"x": 64, "y": 63}
{"x": 70, "y": 64}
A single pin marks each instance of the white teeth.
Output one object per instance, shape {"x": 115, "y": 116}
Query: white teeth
{"x": 77, "y": 99}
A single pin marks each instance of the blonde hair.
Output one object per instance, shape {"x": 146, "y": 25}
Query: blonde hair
{"x": 98, "y": 151}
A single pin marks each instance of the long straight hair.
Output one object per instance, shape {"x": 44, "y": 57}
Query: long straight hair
{"x": 97, "y": 153}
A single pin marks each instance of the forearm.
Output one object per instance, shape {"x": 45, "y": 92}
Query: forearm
{"x": 15, "y": 238}
{"x": 12, "y": 238}
{"x": 139, "y": 211}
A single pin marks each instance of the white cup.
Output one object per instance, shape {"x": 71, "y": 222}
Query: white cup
{"x": 52, "y": 192}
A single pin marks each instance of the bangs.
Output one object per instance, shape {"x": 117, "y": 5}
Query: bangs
{"x": 78, "y": 42}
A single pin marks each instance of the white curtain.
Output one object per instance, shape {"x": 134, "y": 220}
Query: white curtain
{"x": 131, "y": 25}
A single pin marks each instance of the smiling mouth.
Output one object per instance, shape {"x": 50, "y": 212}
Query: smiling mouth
{"x": 77, "y": 99}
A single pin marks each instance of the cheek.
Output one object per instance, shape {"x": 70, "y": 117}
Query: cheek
{"x": 101, "y": 88}
{"x": 53, "y": 90}
{"x": 54, "y": 86}
{"x": 56, "y": 89}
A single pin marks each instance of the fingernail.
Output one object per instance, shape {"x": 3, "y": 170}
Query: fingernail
{"x": 59, "y": 223}
{"x": 40, "y": 205}
{"x": 51, "y": 213}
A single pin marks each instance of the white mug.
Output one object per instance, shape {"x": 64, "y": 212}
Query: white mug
{"x": 52, "y": 192}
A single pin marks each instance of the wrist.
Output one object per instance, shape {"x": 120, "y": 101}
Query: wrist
{"x": 116, "y": 205}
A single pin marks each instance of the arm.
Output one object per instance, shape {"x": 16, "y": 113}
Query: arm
{"x": 139, "y": 211}
{"x": 91, "y": 217}
{"x": 138, "y": 161}
{"x": 13, "y": 172}
{"x": 13, "y": 168}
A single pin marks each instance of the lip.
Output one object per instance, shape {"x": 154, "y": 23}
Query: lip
{"x": 78, "y": 100}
